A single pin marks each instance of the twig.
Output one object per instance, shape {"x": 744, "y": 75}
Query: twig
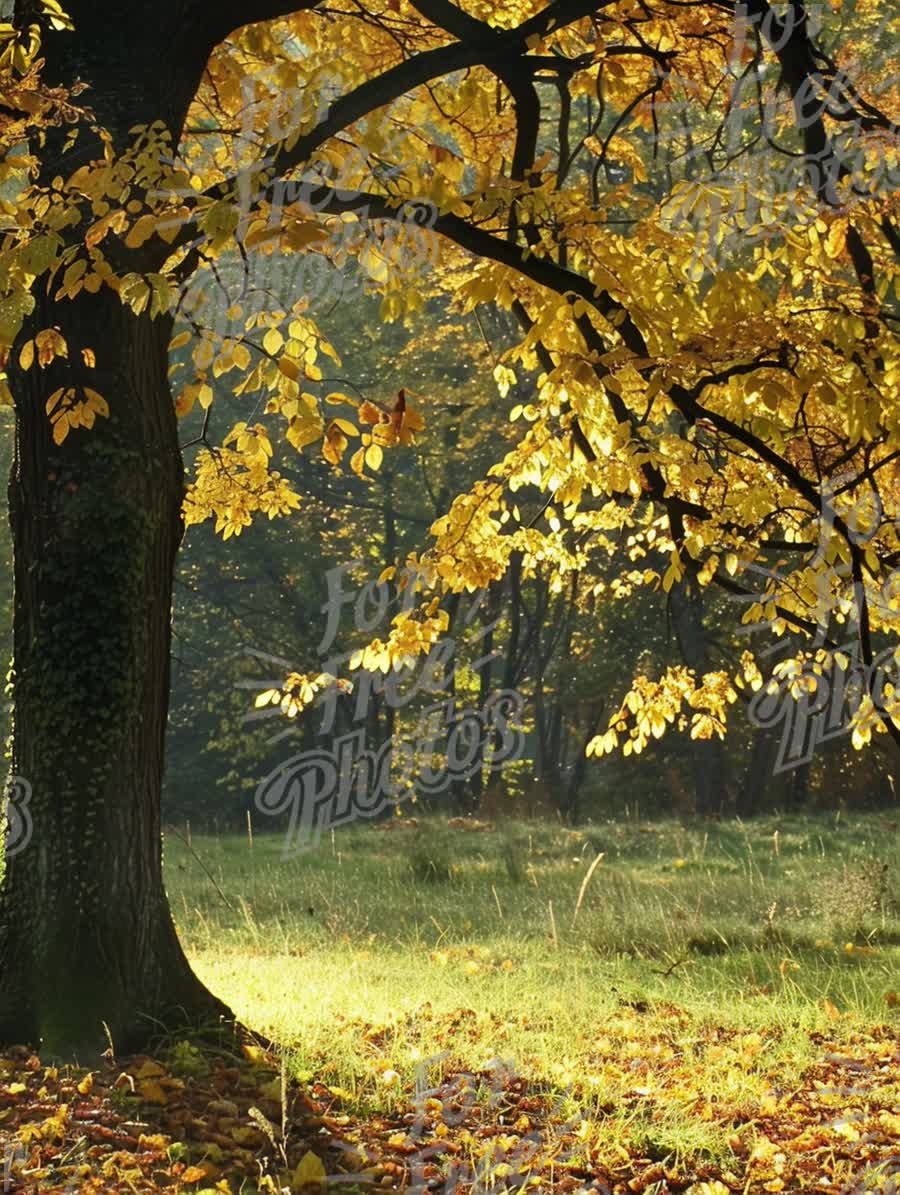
{"x": 178, "y": 834}
{"x": 668, "y": 971}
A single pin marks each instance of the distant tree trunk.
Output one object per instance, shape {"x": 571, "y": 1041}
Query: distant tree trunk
{"x": 707, "y": 755}
{"x": 456, "y": 792}
{"x": 389, "y": 556}
{"x": 484, "y": 651}
{"x": 588, "y": 728}
{"x": 557, "y": 771}
{"x": 543, "y": 765}
{"x": 759, "y": 776}
{"x": 798, "y": 788}
{"x": 571, "y": 793}
{"x": 512, "y": 648}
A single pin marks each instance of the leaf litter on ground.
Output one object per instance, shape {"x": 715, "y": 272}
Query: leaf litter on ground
{"x": 195, "y": 1122}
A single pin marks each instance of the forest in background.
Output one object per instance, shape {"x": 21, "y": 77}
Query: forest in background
{"x": 265, "y": 592}
{"x": 570, "y": 653}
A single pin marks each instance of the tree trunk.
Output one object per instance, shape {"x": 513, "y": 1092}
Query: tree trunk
{"x": 87, "y": 941}
{"x": 759, "y": 777}
{"x": 88, "y": 949}
{"x": 490, "y": 613}
{"x": 571, "y": 809}
{"x": 708, "y": 761}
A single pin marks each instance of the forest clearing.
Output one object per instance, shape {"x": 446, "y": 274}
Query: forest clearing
{"x": 451, "y": 592}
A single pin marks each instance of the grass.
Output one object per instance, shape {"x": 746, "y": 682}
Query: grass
{"x": 695, "y": 986}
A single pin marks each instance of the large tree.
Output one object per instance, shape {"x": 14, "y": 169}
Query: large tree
{"x": 683, "y": 207}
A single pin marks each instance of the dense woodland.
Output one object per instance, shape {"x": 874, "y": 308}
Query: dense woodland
{"x": 570, "y": 653}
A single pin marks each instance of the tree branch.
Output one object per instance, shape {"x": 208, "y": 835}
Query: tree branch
{"x": 789, "y": 41}
{"x": 502, "y": 47}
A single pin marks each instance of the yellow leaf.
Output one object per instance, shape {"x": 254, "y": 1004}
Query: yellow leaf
{"x": 203, "y": 354}
{"x": 837, "y": 237}
{"x": 50, "y": 343}
{"x": 72, "y": 276}
{"x": 140, "y": 232}
{"x": 194, "y": 1174}
{"x": 302, "y": 431}
{"x": 54, "y": 399}
{"x": 309, "y": 1172}
{"x": 348, "y": 428}
{"x": 151, "y": 1092}
{"x": 135, "y": 292}
{"x": 221, "y": 219}
{"x": 149, "y": 1070}
{"x": 96, "y": 401}
{"x": 289, "y": 367}
{"x": 369, "y": 413}
{"x": 60, "y": 428}
{"x": 333, "y": 445}
{"x": 153, "y": 1141}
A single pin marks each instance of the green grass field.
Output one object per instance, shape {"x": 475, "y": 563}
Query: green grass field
{"x": 693, "y": 1016}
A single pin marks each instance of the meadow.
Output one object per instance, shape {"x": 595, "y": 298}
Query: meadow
{"x": 709, "y": 1004}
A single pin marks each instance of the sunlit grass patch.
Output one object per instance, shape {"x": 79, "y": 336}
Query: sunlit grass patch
{"x": 670, "y": 1011}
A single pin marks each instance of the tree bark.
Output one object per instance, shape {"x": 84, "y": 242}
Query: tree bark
{"x": 88, "y": 949}
{"x": 490, "y": 613}
{"x": 759, "y": 776}
{"x": 707, "y": 755}
{"x": 87, "y": 941}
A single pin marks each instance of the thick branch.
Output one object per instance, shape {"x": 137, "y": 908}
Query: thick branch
{"x": 505, "y": 47}
{"x": 789, "y": 41}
